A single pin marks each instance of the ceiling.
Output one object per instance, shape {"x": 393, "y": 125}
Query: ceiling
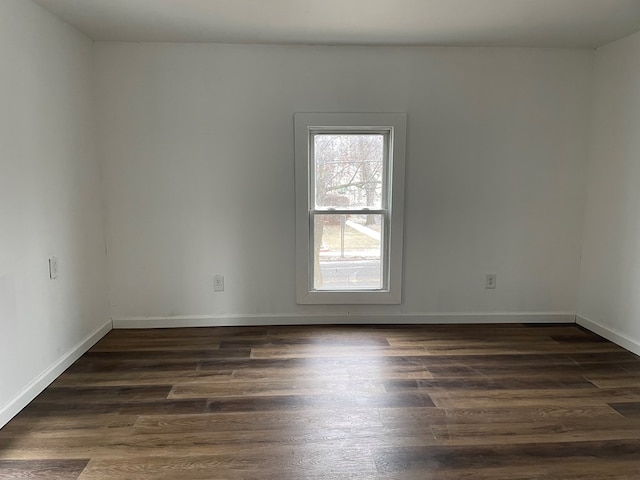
{"x": 521, "y": 23}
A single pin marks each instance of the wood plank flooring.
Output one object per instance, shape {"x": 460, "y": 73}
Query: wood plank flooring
{"x": 490, "y": 402}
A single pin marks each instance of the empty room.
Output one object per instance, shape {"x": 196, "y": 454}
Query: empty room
{"x": 346, "y": 239}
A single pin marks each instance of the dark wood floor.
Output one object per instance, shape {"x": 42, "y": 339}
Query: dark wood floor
{"x": 493, "y": 402}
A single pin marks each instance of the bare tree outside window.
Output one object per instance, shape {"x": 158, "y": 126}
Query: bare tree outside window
{"x": 348, "y": 175}
{"x": 349, "y": 166}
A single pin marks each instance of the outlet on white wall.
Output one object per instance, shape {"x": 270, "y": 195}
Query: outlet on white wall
{"x": 218, "y": 283}
{"x": 53, "y": 268}
{"x": 490, "y": 281}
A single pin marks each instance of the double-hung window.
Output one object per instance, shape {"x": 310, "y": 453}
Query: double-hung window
{"x": 349, "y": 207}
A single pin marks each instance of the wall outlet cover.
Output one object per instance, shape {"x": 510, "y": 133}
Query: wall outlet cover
{"x": 53, "y": 268}
{"x": 490, "y": 280}
{"x": 218, "y": 283}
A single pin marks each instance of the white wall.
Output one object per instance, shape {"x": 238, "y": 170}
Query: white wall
{"x": 49, "y": 203}
{"x": 610, "y": 279}
{"x": 198, "y": 166}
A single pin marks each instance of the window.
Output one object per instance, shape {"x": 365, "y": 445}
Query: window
{"x": 349, "y": 207}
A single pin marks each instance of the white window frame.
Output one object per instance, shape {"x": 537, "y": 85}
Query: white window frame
{"x": 306, "y": 125}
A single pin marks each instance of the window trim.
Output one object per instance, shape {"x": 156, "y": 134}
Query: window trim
{"x": 304, "y": 125}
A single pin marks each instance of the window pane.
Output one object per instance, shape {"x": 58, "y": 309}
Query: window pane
{"x": 348, "y": 170}
{"x": 347, "y": 252}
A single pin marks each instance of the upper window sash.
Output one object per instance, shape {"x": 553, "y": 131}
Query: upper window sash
{"x": 383, "y": 133}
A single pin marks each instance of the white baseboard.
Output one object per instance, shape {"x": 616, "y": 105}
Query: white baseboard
{"x": 42, "y": 381}
{"x": 333, "y": 318}
{"x": 622, "y": 339}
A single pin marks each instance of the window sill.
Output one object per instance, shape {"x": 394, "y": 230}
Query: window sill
{"x": 319, "y": 297}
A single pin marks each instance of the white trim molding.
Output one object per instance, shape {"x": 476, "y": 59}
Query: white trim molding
{"x": 233, "y": 320}
{"x": 393, "y": 127}
{"x": 616, "y": 336}
{"x": 42, "y": 381}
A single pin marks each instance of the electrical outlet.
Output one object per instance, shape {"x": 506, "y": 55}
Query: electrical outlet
{"x": 53, "y": 268}
{"x": 490, "y": 281}
{"x": 218, "y": 283}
